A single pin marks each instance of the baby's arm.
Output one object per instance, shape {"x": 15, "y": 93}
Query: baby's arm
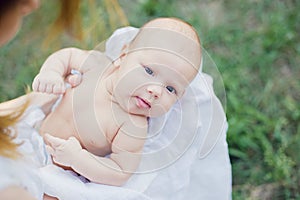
{"x": 115, "y": 170}
{"x": 57, "y": 67}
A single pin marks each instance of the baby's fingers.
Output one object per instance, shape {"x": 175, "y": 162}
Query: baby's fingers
{"x": 59, "y": 89}
{"x": 49, "y": 88}
{"x": 50, "y": 150}
{"x": 35, "y": 85}
{"x": 38, "y": 86}
{"x": 53, "y": 141}
{"x": 41, "y": 87}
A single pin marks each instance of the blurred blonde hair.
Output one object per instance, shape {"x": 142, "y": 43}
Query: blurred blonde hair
{"x": 101, "y": 20}
{"x": 68, "y": 20}
{"x": 8, "y": 148}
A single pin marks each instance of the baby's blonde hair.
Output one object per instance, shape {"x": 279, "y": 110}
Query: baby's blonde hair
{"x": 174, "y": 24}
{"x": 167, "y": 31}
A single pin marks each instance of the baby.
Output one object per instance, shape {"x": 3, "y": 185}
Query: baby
{"x": 99, "y": 127}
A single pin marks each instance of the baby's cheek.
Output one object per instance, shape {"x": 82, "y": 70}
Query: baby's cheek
{"x": 164, "y": 105}
{"x": 133, "y": 80}
{"x": 170, "y": 99}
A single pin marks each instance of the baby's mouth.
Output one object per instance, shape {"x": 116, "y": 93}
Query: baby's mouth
{"x": 142, "y": 103}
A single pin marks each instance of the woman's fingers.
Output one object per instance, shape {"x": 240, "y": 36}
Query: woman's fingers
{"x": 74, "y": 79}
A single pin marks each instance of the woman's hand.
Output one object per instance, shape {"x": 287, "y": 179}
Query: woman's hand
{"x": 74, "y": 79}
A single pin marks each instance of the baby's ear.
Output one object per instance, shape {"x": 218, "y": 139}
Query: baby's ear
{"x": 124, "y": 51}
{"x": 117, "y": 62}
{"x": 122, "y": 55}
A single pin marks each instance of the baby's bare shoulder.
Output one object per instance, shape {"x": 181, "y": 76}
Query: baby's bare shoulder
{"x": 131, "y": 135}
{"x": 95, "y": 60}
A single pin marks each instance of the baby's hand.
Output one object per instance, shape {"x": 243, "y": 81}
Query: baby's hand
{"x": 49, "y": 82}
{"x": 63, "y": 151}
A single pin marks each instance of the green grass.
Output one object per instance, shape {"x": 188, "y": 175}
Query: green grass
{"x": 256, "y": 46}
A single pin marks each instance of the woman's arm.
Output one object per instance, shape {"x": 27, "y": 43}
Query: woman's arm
{"x": 43, "y": 100}
{"x": 15, "y": 192}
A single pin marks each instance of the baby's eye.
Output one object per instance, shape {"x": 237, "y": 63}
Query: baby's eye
{"x": 149, "y": 71}
{"x": 171, "y": 89}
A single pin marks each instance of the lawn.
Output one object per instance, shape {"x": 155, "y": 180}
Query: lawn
{"x": 255, "y": 45}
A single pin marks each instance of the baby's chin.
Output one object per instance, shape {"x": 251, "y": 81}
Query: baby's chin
{"x": 151, "y": 114}
{"x": 157, "y": 113}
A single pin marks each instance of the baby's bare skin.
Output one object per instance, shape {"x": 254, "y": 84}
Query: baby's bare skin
{"x": 96, "y": 141}
{"x": 88, "y": 113}
{"x": 95, "y": 135}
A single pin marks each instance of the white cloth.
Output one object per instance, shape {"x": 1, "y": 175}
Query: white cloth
{"x": 23, "y": 172}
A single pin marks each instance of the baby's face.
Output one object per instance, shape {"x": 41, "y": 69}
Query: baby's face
{"x": 151, "y": 81}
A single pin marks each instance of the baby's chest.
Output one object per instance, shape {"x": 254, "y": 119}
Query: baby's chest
{"x": 98, "y": 127}
{"x": 108, "y": 120}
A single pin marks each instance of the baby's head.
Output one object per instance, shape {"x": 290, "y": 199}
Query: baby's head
{"x": 157, "y": 66}
{"x": 172, "y": 35}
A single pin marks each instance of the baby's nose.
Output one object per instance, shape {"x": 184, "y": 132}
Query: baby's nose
{"x": 155, "y": 90}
